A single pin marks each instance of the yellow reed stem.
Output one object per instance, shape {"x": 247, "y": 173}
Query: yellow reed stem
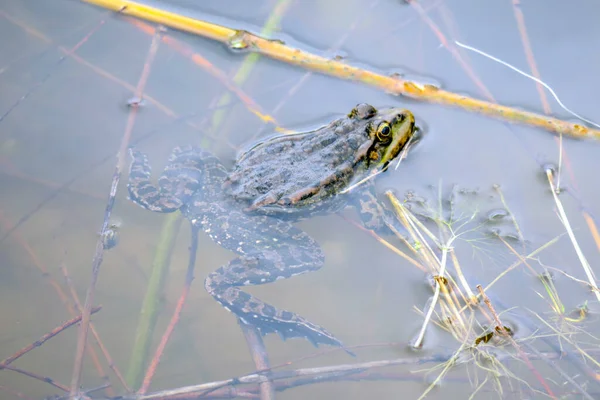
{"x": 242, "y": 40}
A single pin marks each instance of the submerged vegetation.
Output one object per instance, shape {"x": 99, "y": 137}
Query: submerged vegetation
{"x": 490, "y": 348}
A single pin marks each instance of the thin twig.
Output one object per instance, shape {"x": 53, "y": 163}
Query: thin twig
{"x": 98, "y": 255}
{"x": 151, "y": 304}
{"x": 242, "y": 40}
{"x": 592, "y": 227}
{"x": 49, "y": 74}
{"x": 205, "y": 64}
{"x": 287, "y": 379}
{"x": 44, "y": 338}
{"x": 386, "y": 244}
{"x": 103, "y": 349}
{"x": 500, "y": 328}
{"x": 47, "y": 276}
{"x": 105, "y": 74}
{"x": 453, "y": 51}
{"x": 67, "y": 53}
{"x": 35, "y": 260}
{"x": 39, "y": 377}
{"x": 256, "y": 378}
{"x": 520, "y": 17}
{"x": 91, "y": 351}
{"x": 537, "y": 80}
{"x": 260, "y": 358}
{"x": 565, "y": 221}
{"x": 15, "y": 393}
{"x": 271, "y": 25}
{"x": 189, "y": 277}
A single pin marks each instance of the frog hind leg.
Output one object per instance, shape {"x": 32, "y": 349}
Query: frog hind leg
{"x": 180, "y": 179}
{"x": 265, "y": 258}
{"x": 253, "y": 311}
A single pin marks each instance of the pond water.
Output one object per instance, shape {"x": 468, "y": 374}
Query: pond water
{"x": 67, "y": 72}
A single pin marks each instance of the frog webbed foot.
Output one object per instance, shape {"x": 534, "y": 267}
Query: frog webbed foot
{"x": 268, "y": 319}
{"x": 180, "y": 179}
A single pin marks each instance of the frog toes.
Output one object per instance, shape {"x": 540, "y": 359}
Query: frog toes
{"x": 299, "y": 195}
{"x": 264, "y": 200}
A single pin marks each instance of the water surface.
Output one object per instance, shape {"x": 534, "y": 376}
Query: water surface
{"x": 64, "y": 118}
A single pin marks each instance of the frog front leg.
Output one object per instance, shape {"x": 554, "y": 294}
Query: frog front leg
{"x": 181, "y": 178}
{"x": 270, "y": 249}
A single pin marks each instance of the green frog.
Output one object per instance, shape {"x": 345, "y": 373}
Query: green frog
{"x": 250, "y": 210}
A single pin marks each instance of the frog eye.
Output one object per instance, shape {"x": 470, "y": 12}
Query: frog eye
{"x": 383, "y": 131}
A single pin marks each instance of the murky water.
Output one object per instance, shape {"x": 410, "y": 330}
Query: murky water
{"x": 64, "y": 113}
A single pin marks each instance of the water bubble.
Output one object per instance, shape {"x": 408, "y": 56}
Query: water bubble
{"x": 512, "y": 237}
{"x": 547, "y": 276}
{"x": 337, "y": 55}
{"x": 469, "y": 192}
{"x": 497, "y": 214}
{"x": 237, "y": 41}
{"x": 110, "y": 237}
{"x": 135, "y": 102}
{"x": 549, "y": 167}
{"x": 426, "y": 82}
{"x": 494, "y": 232}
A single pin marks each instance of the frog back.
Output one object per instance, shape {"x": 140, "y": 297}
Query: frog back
{"x": 299, "y": 173}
